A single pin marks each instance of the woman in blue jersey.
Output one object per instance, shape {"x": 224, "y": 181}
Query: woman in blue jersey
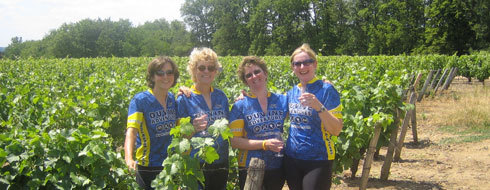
{"x": 205, "y": 105}
{"x": 151, "y": 115}
{"x": 315, "y": 115}
{"x": 255, "y": 121}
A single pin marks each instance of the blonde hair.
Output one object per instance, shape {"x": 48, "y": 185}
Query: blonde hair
{"x": 201, "y": 54}
{"x": 304, "y": 48}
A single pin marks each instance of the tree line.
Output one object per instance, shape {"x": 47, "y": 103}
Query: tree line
{"x": 276, "y": 27}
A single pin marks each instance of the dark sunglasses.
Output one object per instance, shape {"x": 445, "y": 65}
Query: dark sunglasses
{"x": 211, "y": 68}
{"x": 163, "y": 73}
{"x": 306, "y": 63}
{"x": 256, "y": 72}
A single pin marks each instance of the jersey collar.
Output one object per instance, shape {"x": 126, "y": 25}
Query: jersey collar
{"x": 196, "y": 91}
{"x": 310, "y": 82}
{"x": 252, "y": 95}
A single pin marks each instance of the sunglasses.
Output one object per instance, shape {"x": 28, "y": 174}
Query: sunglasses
{"x": 211, "y": 68}
{"x": 256, "y": 72}
{"x": 306, "y": 63}
{"x": 163, "y": 73}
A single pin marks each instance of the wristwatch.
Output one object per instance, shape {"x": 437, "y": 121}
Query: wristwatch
{"x": 322, "y": 109}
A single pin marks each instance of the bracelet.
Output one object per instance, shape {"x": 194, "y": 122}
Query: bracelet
{"x": 263, "y": 145}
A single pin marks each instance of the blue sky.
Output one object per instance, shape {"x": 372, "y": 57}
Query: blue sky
{"x": 33, "y": 19}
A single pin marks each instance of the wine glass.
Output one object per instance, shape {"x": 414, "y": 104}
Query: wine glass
{"x": 200, "y": 113}
{"x": 302, "y": 90}
{"x": 278, "y": 136}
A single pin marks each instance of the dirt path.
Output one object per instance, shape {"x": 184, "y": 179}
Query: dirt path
{"x": 434, "y": 163}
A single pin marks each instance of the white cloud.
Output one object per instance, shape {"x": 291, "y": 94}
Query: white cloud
{"x": 32, "y": 19}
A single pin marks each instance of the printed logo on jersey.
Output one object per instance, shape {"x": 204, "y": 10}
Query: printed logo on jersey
{"x": 212, "y": 115}
{"x": 161, "y": 116}
{"x": 263, "y": 124}
{"x": 299, "y": 115}
{"x": 165, "y": 121}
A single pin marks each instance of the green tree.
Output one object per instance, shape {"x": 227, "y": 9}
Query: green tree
{"x": 482, "y": 24}
{"x": 397, "y": 28}
{"x": 180, "y": 38}
{"x": 111, "y": 38}
{"x": 15, "y": 48}
{"x": 198, "y": 15}
{"x": 232, "y": 35}
{"x": 156, "y": 40}
{"x": 449, "y": 27}
{"x": 260, "y": 28}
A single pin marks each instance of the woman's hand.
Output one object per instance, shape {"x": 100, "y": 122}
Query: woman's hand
{"x": 129, "y": 148}
{"x": 274, "y": 145}
{"x": 241, "y": 96}
{"x": 131, "y": 164}
{"x": 310, "y": 100}
{"x": 184, "y": 90}
{"x": 200, "y": 123}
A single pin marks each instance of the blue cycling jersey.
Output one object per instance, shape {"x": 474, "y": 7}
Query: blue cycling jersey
{"x": 195, "y": 106}
{"x": 308, "y": 139}
{"x": 153, "y": 123}
{"x": 247, "y": 120}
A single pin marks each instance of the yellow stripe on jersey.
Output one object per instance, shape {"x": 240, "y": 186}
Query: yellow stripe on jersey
{"x": 337, "y": 112}
{"x": 135, "y": 120}
{"x": 143, "y": 152}
{"x": 242, "y": 158}
{"x": 236, "y": 128}
{"x": 243, "y": 154}
{"x": 329, "y": 145}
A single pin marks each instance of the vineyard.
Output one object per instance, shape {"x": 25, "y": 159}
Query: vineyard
{"x": 63, "y": 121}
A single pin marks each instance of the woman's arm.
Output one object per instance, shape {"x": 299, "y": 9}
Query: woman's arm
{"x": 331, "y": 124}
{"x": 129, "y": 147}
{"x": 249, "y": 144}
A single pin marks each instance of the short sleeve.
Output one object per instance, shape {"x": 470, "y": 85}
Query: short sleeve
{"x": 236, "y": 121}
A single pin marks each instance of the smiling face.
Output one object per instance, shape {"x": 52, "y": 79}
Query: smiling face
{"x": 255, "y": 77}
{"x": 205, "y": 72}
{"x": 303, "y": 67}
{"x": 164, "y": 78}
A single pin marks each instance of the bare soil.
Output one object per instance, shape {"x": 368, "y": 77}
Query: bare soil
{"x": 433, "y": 163}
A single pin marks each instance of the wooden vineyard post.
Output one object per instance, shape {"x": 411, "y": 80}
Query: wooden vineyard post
{"x": 255, "y": 174}
{"x": 433, "y": 84}
{"x": 414, "y": 123}
{"x": 426, "y": 84}
{"x": 452, "y": 78}
{"x": 440, "y": 80}
{"x": 403, "y": 132}
{"x": 385, "y": 169}
{"x": 449, "y": 79}
{"x": 369, "y": 157}
{"x": 417, "y": 80}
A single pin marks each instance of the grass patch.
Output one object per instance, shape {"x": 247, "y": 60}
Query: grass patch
{"x": 465, "y": 139}
{"x": 463, "y": 112}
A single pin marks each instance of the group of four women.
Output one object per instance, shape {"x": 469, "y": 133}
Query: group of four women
{"x": 256, "y": 120}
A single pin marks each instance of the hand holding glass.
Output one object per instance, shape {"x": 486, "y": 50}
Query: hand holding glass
{"x": 200, "y": 122}
{"x": 278, "y": 136}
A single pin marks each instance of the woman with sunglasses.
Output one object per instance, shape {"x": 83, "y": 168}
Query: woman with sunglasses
{"x": 315, "y": 115}
{"x": 256, "y": 121}
{"x": 151, "y": 115}
{"x": 205, "y": 105}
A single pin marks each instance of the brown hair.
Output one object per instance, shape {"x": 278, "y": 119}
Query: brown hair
{"x": 156, "y": 65}
{"x": 249, "y": 61}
